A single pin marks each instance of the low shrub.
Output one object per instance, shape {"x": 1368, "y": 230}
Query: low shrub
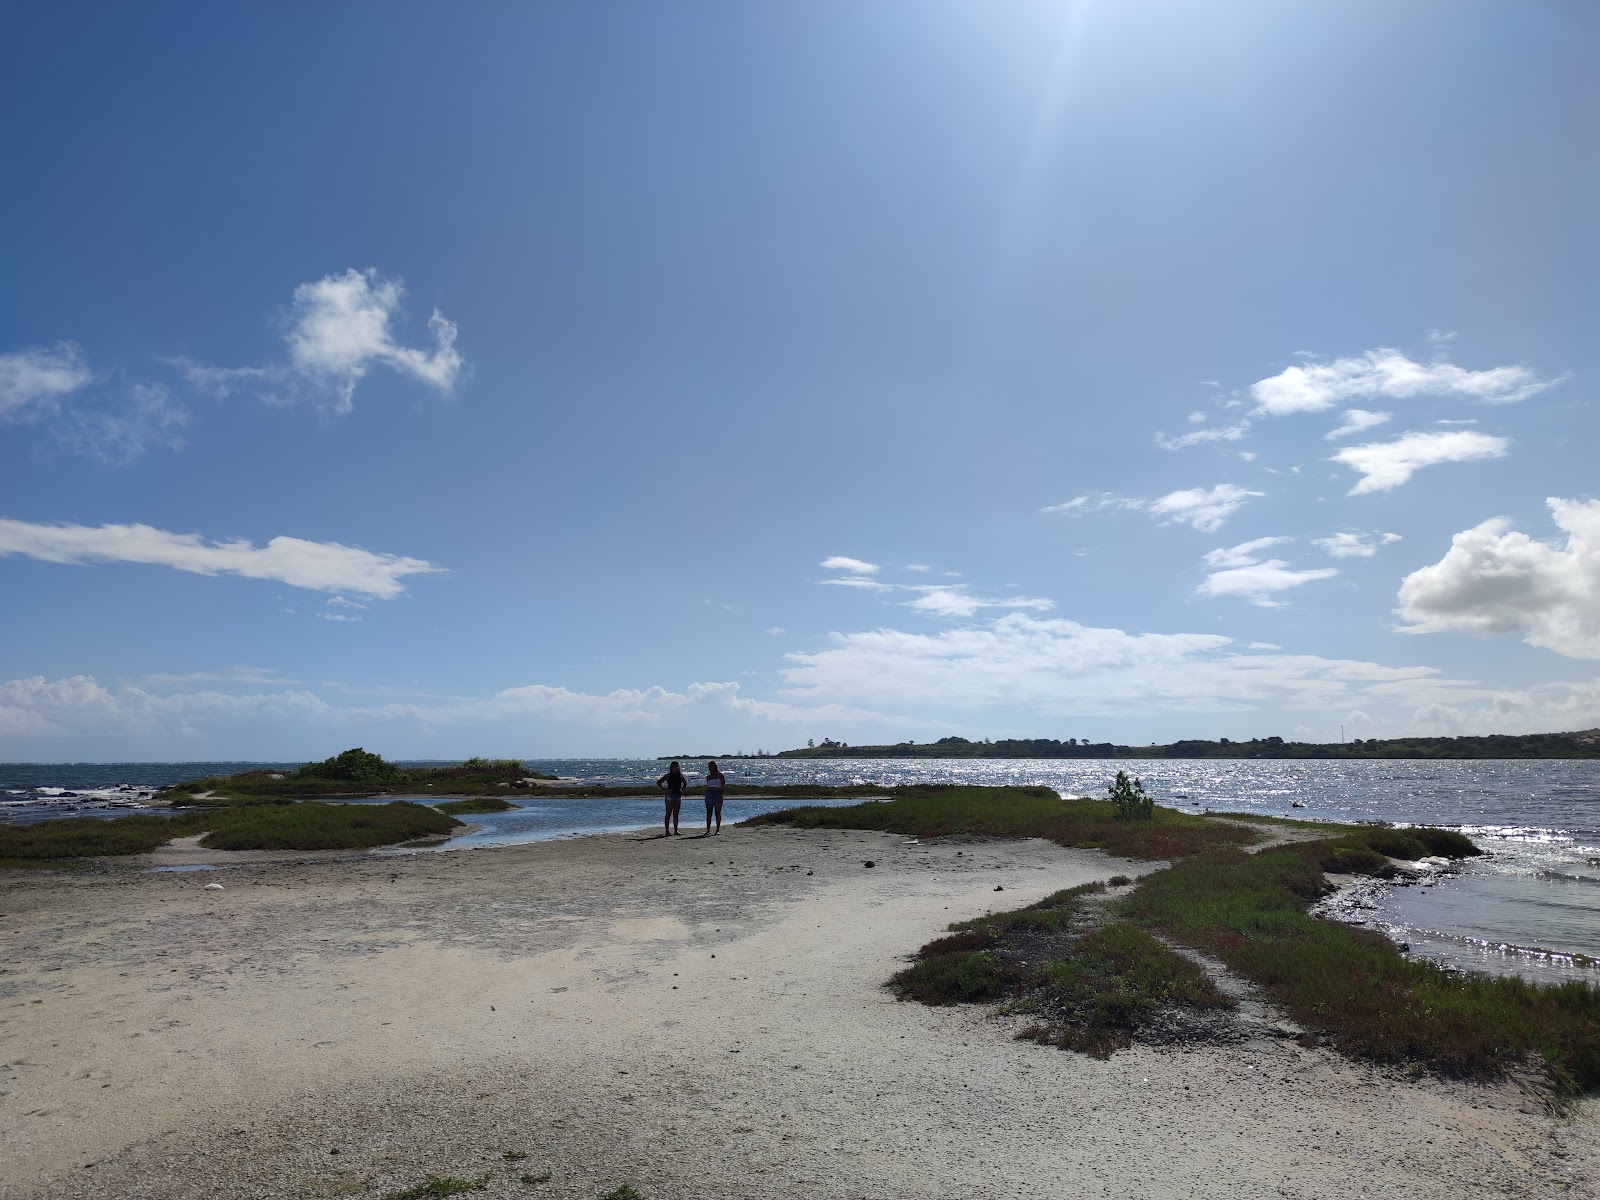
{"x": 963, "y": 977}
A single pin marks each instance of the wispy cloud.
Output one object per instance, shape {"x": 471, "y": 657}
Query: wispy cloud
{"x": 339, "y": 329}
{"x": 1386, "y": 465}
{"x": 257, "y": 676}
{"x": 1495, "y": 581}
{"x": 855, "y": 581}
{"x": 958, "y": 602}
{"x": 320, "y": 566}
{"x": 119, "y": 435}
{"x": 1356, "y": 420}
{"x": 34, "y": 380}
{"x": 1202, "y": 437}
{"x": 1206, "y": 509}
{"x": 1240, "y": 571}
{"x": 1391, "y": 375}
{"x": 855, "y": 566}
{"x": 1355, "y": 545}
{"x": 1056, "y": 667}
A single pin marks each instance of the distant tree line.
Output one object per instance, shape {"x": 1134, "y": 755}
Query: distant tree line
{"x": 1583, "y": 744}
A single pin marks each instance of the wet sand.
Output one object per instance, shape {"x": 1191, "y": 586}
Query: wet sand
{"x": 693, "y": 1017}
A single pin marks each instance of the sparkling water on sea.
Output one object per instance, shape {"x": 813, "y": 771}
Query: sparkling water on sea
{"x": 1530, "y": 906}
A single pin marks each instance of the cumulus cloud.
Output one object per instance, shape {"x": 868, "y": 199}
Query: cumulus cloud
{"x": 339, "y": 328}
{"x": 855, "y": 566}
{"x": 1206, "y": 509}
{"x": 1355, "y": 545}
{"x": 1356, "y": 420}
{"x": 34, "y": 380}
{"x": 1386, "y": 465}
{"x": 1495, "y": 581}
{"x": 1388, "y": 374}
{"x": 1240, "y": 571}
{"x": 854, "y": 581}
{"x": 320, "y": 566}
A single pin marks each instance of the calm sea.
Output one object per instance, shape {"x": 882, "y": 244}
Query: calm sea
{"x": 1530, "y": 907}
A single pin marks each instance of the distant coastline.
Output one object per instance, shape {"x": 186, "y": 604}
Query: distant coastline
{"x": 1576, "y": 744}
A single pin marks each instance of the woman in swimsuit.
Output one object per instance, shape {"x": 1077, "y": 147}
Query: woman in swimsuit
{"x": 674, "y": 782}
{"x": 714, "y": 782}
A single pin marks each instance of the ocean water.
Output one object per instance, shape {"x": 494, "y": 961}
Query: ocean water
{"x": 1530, "y": 906}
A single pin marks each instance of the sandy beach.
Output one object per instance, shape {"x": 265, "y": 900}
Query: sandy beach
{"x": 692, "y": 1017}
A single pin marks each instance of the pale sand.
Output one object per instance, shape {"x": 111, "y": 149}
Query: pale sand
{"x": 427, "y": 1013}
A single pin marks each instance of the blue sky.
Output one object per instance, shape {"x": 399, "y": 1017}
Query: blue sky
{"x": 575, "y": 379}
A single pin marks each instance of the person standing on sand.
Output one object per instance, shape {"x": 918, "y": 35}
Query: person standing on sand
{"x": 674, "y": 783}
{"x": 714, "y": 782}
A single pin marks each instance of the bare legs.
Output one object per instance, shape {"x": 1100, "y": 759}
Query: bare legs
{"x": 669, "y": 819}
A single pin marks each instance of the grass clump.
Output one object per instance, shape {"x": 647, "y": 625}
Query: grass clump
{"x": 961, "y": 977}
{"x": 622, "y": 1193}
{"x": 1093, "y": 985}
{"x": 478, "y": 804}
{"x": 1020, "y": 812}
{"x": 436, "y": 1186}
{"x": 81, "y": 837}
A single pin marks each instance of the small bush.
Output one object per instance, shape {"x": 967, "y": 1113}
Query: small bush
{"x": 1131, "y": 802}
{"x": 352, "y": 766}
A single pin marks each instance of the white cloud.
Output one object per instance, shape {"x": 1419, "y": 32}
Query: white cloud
{"x": 1056, "y": 667}
{"x": 1240, "y": 571}
{"x": 775, "y": 631}
{"x": 958, "y": 602}
{"x": 339, "y": 328}
{"x": 1242, "y": 555}
{"x": 1356, "y": 420}
{"x": 235, "y": 675}
{"x": 1386, "y": 465}
{"x": 321, "y": 566}
{"x": 1391, "y": 375}
{"x": 918, "y": 567}
{"x": 33, "y": 380}
{"x": 1355, "y": 545}
{"x": 871, "y": 585}
{"x": 1495, "y": 581}
{"x": 1201, "y": 437}
{"x": 1258, "y": 581}
{"x": 855, "y": 566}
{"x": 1205, "y": 509}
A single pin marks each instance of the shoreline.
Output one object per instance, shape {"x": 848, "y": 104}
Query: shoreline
{"x": 694, "y": 1017}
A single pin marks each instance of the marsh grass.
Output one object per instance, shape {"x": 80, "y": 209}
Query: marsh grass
{"x": 1021, "y": 812}
{"x": 1353, "y": 987}
{"x": 1095, "y": 983}
{"x": 292, "y": 826}
{"x": 480, "y": 804}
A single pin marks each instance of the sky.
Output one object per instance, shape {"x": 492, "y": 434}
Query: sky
{"x": 632, "y": 379}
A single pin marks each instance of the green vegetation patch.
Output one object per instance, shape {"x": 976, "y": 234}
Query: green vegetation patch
{"x": 288, "y": 826}
{"x": 1091, "y": 984}
{"x": 479, "y": 804}
{"x": 435, "y": 1186}
{"x": 1353, "y": 987}
{"x": 354, "y": 772}
{"x": 1021, "y": 812}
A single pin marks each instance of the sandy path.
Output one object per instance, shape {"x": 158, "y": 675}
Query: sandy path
{"x": 698, "y": 1018}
